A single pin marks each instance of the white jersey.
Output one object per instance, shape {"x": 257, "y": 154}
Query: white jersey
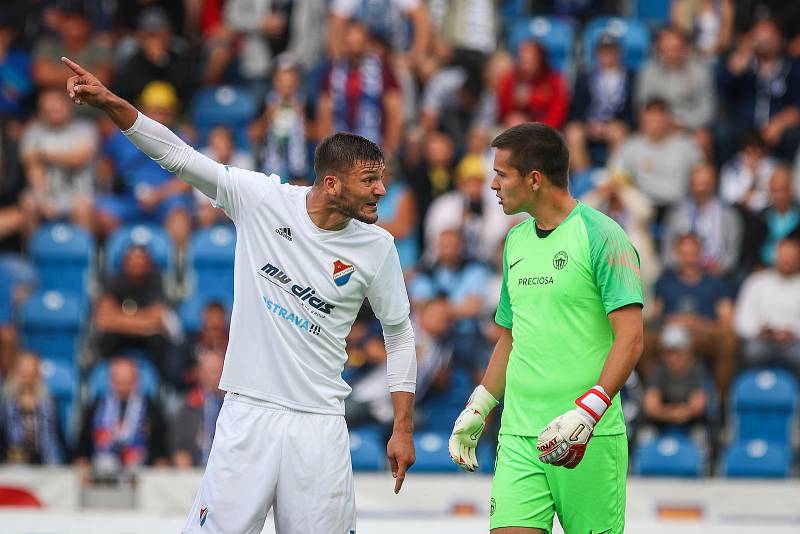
{"x": 297, "y": 290}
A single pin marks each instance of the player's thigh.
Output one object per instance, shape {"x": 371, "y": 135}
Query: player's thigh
{"x": 591, "y": 497}
{"x": 315, "y": 490}
{"x": 521, "y": 496}
{"x": 239, "y": 482}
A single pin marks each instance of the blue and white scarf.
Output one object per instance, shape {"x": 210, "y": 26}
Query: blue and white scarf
{"x": 608, "y": 95}
{"x": 284, "y": 151}
{"x": 45, "y": 431}
{"x": 123, "y": 437}
{"x": 367, "y": 119}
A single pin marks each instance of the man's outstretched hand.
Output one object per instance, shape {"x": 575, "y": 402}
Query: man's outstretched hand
{"x": 84, "y": 88}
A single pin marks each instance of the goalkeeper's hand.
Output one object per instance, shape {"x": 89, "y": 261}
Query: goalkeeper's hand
{"x": 469, "y": 427}
{"x": 563, "y": 442}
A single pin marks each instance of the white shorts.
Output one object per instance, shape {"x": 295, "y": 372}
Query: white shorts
{"x": 265, "y": 456}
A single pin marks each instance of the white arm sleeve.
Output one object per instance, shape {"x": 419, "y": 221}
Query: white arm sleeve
{"x": 169, "y": 151}
{"x": 401, "y": 356}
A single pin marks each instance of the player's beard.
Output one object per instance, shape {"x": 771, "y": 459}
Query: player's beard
{"x": 354, "y": 210}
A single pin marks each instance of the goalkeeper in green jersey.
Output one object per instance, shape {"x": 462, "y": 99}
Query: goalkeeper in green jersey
{"x": 571, "y": 311}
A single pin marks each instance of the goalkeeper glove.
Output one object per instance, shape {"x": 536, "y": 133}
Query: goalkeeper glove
{"x": 563, "y": 442}
{"x": 469, "y": 427}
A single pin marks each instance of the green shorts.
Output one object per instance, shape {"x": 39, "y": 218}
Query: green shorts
{"x": 587, "y": 499}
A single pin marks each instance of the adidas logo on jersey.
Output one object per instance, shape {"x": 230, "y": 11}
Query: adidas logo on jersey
{"x": 284, "y": 232}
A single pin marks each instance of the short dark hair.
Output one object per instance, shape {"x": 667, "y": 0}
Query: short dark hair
{"x": 338, "y": 153}
{"x": 536, "y": 146}
{"x": 658, "y": 103}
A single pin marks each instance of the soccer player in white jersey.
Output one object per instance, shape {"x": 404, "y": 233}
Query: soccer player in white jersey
{"x": 306, "y": 257}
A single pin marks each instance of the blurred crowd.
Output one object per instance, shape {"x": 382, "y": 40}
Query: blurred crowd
{"x": 692, "y": 147}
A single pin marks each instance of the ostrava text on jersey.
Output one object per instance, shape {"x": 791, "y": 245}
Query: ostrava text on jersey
{"x": 556, "y": 301}
{"x": 295, "y": 300}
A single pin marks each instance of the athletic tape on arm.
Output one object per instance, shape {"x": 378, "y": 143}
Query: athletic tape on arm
{"x": 401, "y": 356}
{"x": 169, "y": 151}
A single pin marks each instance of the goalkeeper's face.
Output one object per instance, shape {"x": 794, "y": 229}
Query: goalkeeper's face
{"x": 513, "y": 190}
{"x": 360, "y": 191}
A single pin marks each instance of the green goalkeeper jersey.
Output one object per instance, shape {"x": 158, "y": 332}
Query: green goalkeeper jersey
{"x": 556, "y": 295}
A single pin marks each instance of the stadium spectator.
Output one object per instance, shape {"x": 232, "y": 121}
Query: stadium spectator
{"x": 12, "y": 184}
{"x": 222, "y": 148}
{"x": 618, "y": 198}
{"x": 659, "y": 158}
{"x": 398, "y": 215}
{"x": 761, "y": 88}
{"x": 8, "y": 332}
{"x": 197, "y": 417}
{"x": 675, "y": 396}
{"x": 601, "y": 110}
{"x": 370, "y": 403}
{"x": 767, "y": 314}
{"x": 692, "y": 298}
{"x": 149, "y": 192}
{"x": 122, "y": 429}
{"x": 131, "y": 312}
{"x": 456, "y": 99}
{"x": 159, "y": 57}
{"x": 360, "y": 93}
{"x": 718, "y": 225}
{"x": 532, "y": 90}
{"x": 684, "y": 82}
{"x": 780, "y": 220}
{"x": 472, "y": 209}
{"x": 16, "y": 83}
{"x": 386, "y": 19}
{"x": 29, "y": 432}
{"x": 462, "y": 24}
{"x": 129, "y": 14}
{"x": 75, "y": 39}
{"x": 709, "y": 22}
{"x": 58, "y": 152}
{"x": 432, "y": 173}
{"x": 744, "y": 180}
{"x": 461, "y": 281}
{"x": 280, "y": 132}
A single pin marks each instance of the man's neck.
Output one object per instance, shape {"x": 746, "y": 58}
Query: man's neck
{"x": 322, "y": 214}
{"x": 691, "y": 274}
{"x": 553, "y": 209}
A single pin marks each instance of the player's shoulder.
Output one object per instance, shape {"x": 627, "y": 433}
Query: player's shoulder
{"x": 599, "y": 226}
{"x": 373, "y": 232}
{"x": 518, "y": 228}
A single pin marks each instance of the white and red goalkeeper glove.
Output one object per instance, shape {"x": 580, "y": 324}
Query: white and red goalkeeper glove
{"x": 469, "y": 427}
{"x": 563, "y": 442}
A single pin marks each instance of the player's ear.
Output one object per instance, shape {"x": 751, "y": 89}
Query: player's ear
{"x": 331, "y": 184}
{"x": 535, "y": 179}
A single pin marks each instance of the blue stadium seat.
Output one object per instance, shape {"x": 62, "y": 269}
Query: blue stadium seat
{"x": 50, "y": 324}
{"x": 63, "y": 255}
{"x": 652, "y": 12}
{"x": 757, "y": 458}
{"x": 149, "y": 381}
{"x": 152, "y": 237}
{"x": 487, "y": 454}
{"x": 432, "y": 454}
{"x": 442, "y": 409}
{"x": 764, "y": 405}
{"x": 367, "y": 450}
{"x": 225, "y": 105}
{"x": 556, "y": 36}
{"x": 672, "y": 455}
{"x": 191, "y": 309}
{"x": 633, "y": 35}
{"x": 211, "y": 253}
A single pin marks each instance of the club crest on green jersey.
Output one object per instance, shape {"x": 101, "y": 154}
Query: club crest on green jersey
{"x": 560, "y": 260}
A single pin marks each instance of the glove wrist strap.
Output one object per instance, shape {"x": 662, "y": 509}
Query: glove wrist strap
{"x": 482, "y": 401}
{"x": 594, "y": 402}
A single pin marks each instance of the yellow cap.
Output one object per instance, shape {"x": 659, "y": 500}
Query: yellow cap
{"x": 471, "y": 166}
{"x": 159, "y": 94}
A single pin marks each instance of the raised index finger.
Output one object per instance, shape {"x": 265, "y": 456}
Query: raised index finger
{"x": 77, "y": 69}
